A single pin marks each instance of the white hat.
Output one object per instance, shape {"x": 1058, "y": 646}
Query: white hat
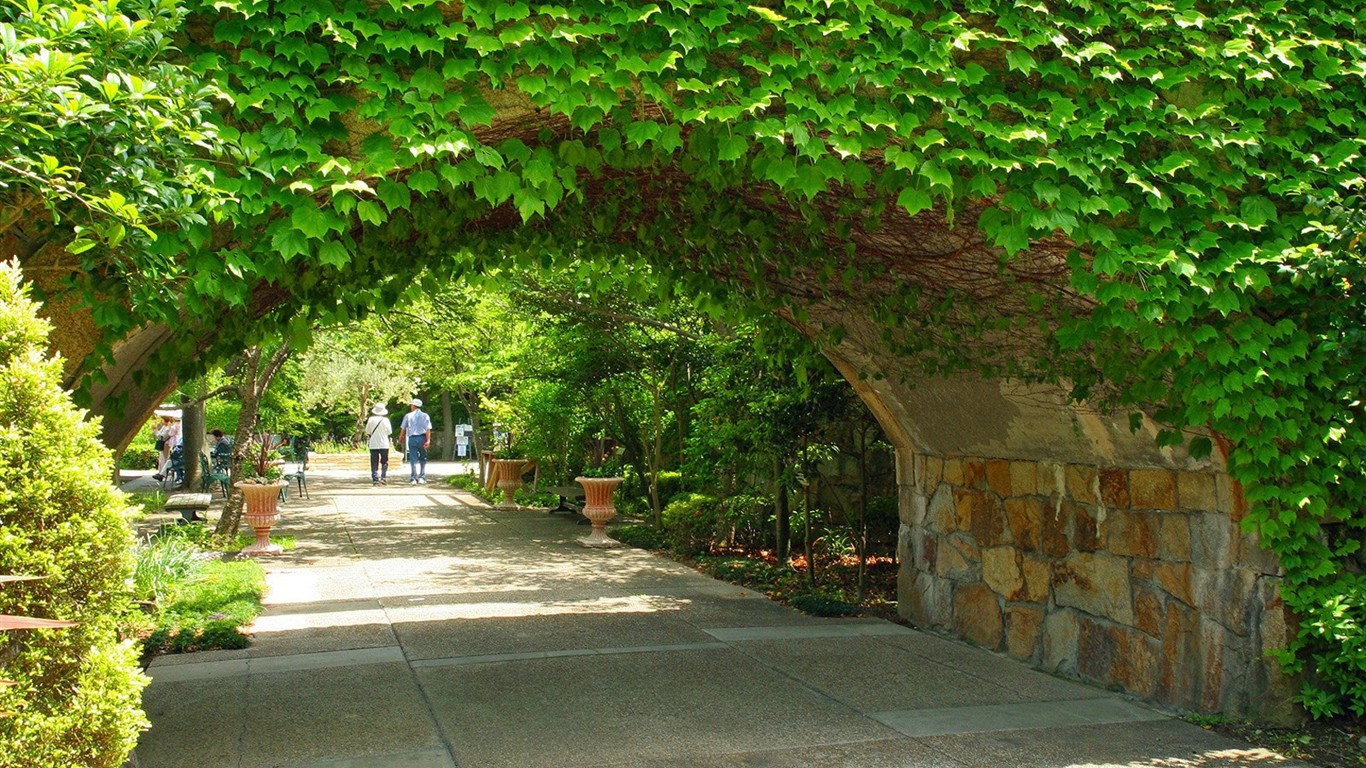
{"x": 415, "y": 401}
{"x": 380, "y": 410}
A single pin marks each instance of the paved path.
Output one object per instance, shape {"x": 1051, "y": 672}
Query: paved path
{"x": 414, "y": 627}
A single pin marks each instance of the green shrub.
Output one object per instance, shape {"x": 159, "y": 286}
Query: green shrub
{"x": 821, "y": 605}
{"x": 76, "y": 701}
{"x": 670, "y": 485}
{"x": 690, "y": 522}
{"x": 642, "y": 536}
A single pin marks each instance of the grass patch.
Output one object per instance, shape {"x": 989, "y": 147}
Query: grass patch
{"x": 206, "y": 612}
{"x": 198, "y": 599}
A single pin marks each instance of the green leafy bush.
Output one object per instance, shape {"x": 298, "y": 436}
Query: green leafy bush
{"x": 690, "y": 522}
{"x": 642, "y": 536}
{"x": 816, "y": 604}
{"x": 77, "y": 697}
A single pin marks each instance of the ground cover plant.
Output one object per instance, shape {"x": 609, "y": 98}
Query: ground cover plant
{"x": 198, "y": 596}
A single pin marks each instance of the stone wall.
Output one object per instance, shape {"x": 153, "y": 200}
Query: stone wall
{"x": 1138, "y": 579}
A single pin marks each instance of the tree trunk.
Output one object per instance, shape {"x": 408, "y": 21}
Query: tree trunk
{"x": 192, "y": 440}
{"x": 447, "y": 427}
{"x": 255, "y": 377}
{"x": 782, "y": 513}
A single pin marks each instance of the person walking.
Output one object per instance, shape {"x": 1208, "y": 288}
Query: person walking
{"x": 415, "y": 433}
{"x": 377, "y": 431}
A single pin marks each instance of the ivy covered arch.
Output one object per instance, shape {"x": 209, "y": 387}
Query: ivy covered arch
{"x": 1145, "y": 205}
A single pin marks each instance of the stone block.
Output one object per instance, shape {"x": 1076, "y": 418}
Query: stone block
{"x": 1023, "y": 478}
{"x": 1152, "y": 489}
{"x": 1142, "y": 569}
{"x": 1086, "y": 528}
{"x": 1001, "y": 571}
{"x": 998, "y": 477}
{"x": 975, "y": 474}
{"x": 1024, "y": 629}
{"x": 1175, "y": 580}
{"x": 905, "y": 544}
{"x": 1114, "y": 488}
{"x": 962, "y": 506}
{"x": 1148, "y": 611}
{"x": 957, "y": 559}
{"x": 911, "y": 589}
{"x": 1174, "y": 537}
{"x": 1179, "y": 674}
{"x": 939, "y": 603}
{"x": 932, "y": 474}
{"x": 1212, "y": 674}
{"x": 1139, "y": 669}
{"x": 912, "y": 507}
{"x": 926, "y": 550}
{"x": 1038, "y": 578}
{"x": 1048, "y": 478}
{"x": 1083, "y": 484}
{"x": 1097, "y": 584}
{"x": 1025, "y": 518}
{"x": 1053, "y": 531}
{"x": 953, "y": 471}
{"x": 1224, "y": 596}
{"x": 1195, "y": 490}
{"x": 1131, "y": 533}
{"x": 1099, "y": 646}
{"x": 1061, "y": 631}
{"x": 977, "y": 615}
{"x": 988, "y": 525}
{"x": 1213, "y": 545}
{"x": 942, "y": 514}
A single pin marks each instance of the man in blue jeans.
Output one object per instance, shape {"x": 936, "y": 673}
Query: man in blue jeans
{"x": 416, "y": 429}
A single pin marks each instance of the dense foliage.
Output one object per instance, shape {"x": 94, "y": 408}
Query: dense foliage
{"x": 99, "y": 129}
{"x": 76, "y": 701}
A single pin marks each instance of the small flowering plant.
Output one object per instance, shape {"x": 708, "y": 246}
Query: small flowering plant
{"x": 260, "y": 460}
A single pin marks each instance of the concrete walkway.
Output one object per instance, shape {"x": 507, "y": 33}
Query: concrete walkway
{"x": 414, "y": 627}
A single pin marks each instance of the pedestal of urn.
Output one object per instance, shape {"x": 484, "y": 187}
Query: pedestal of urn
{"x": 262, "y": 513}
{"x": 509, "y": 478}
{"x": 599, "y": 508}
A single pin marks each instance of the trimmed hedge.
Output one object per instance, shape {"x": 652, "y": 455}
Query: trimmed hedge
{"x": 77, "y": 698}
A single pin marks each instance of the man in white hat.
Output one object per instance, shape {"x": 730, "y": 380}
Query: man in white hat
{"x": 377, "y": 431}
{"x": 417, "y": 428}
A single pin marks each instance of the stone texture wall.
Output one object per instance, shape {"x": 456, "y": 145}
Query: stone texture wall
{"x": 1139, "y": 579}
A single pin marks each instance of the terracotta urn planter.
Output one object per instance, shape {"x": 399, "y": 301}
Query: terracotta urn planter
{"x": 599, "y": 508}
{"x": 262, "y": 513}
{"x": 508, "y": 477}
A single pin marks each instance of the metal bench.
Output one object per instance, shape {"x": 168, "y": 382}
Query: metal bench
{"x": 566, "y": 492}
{"x": 189, "y": 505}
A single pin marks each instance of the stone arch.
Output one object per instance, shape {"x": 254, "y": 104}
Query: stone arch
{"x": 1029, "y": 524}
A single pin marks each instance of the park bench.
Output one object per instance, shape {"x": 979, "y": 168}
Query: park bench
{"x": 566, "y": 492}
{"x": 189, "y": 505}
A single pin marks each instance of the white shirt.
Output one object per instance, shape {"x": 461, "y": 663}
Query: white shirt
{"x": 378, "y": 429}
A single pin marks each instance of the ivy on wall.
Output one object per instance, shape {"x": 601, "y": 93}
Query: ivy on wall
{"x": 1203, "y": 161}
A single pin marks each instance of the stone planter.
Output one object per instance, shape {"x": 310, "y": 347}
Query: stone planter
{"x": 507, "y": 474}
{"x": 598, "y": 508}
{"x": 262, "y": 513}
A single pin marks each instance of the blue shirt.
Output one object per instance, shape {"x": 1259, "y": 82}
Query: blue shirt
{"x": 415, "y": 423}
